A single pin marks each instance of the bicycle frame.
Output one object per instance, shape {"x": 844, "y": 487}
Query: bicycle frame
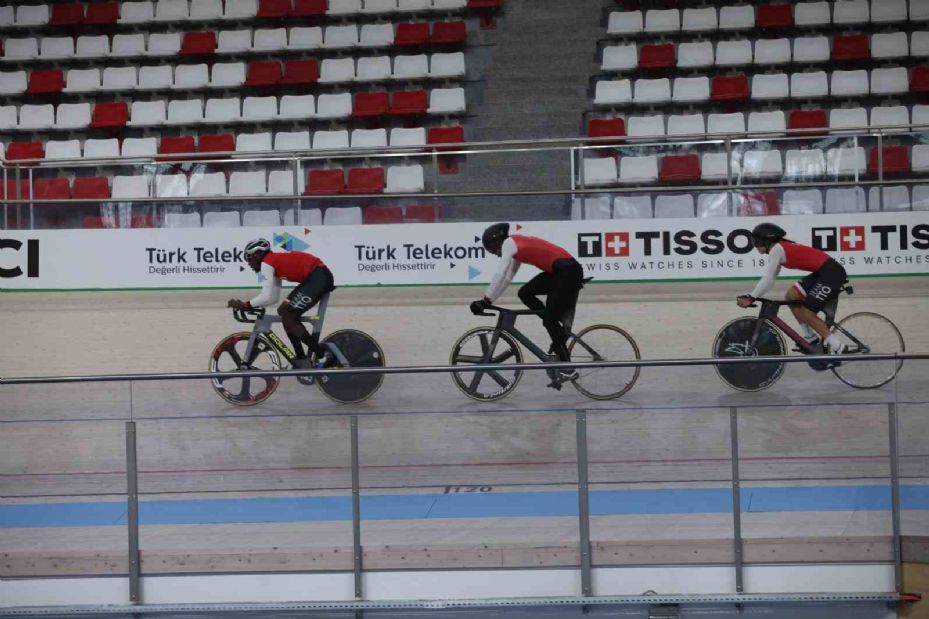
{"x": 769, "y": 309}
{"x": 506, "y": 321}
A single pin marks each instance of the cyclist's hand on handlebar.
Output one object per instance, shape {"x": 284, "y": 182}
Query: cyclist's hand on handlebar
{"x": 238, "y": 304}
{"x": 745, "y": 300}
{"x": 478, "y": 307}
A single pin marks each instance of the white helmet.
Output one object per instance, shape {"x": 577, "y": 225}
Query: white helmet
{"x": 255, "y": 246}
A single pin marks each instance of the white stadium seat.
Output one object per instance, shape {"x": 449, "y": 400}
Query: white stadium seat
{"x": 638, "y": 170}
{"x": 264, "y": 218}
{"x": 344, "y": 7}
{"x": 292, "y": 140}
{"x": 7, "y": 116}
{"x": 446, "y": 100}
{"x": 449, "y": 5}
{"x": 888, "y": 11}
{"x": 233, "y": 41}
{"x": 686, "y": 124}
{"x": 252, "y": 143}
{"x": 210, "y": 184}
{"x": 259, "y": 108}
{"x": 171, "y": 186}
{"x": 920, "y": 200}
{"x": 613, "y": 92}
{"x": 297, "y": 107}
{"x": 889, "y": 45}
{"x": 809, "y": 85}
{"x": 804, "y": 164}
{"x": 770, "y": 86}
{"x": 691, "y": 89}
{"x": 726, "y": 123}
{"x": 405, "y": 179}
{"x": 762, "y": 163}
{"x": 666, "y": 20}
{"x": 849, "y": 83}
{"x": 21, "y": 49}
{"x": 851, "y": 11}
{"x": 373, "y": 68}
{"x": 156, "y": 78}
{"x": 802, "y": 202}
{"x": 269, "y": 39}
{"x": 32, "y": 15}
{"x": 181, "y": 220}
{"x": 919, "y": 11}
{"x": 221, "y": 219}
{"x": 227, "y": 75}
{"x": 223, "y": 110}
{"x": 333, "y": 70}
{"x": 679, "y": 206}
{"x": 846, "y": 162}
{"x": 143, "y": 113}
{"x": 713, "y": 166}
{"x": 921, "y": 158}
{"x": 378, "y": 6}
{"x": 172, "y": 10}
{"x": 890, "y": 81}
{"x": 6, "y": 16}
{"x": 637, "y": 206}
{"x": 63, "y": 149}
{"x": 376, "y": 35}
{"x": 699, "y": 20}
{"x": 368, "y": 138}
{"x": 628, "y": 22}
{"x": 896, "y": 198}
{"x": 56, "y": 47}
{"x": 714, "y": 204}
{"x": 184, "y": 112}
{"x": 72, "y": 116}
{"x": 241, "y": 9}
{"x": 82, "y": 80}
{"x": 340, "y": 37}
{"x": 920, "y": 114}
{"x": 119, "y": 78}
{"x": 191, "y": 77}
{"x": 342, "y": 216}
{"x": 811, "y": 49}
{"x": 767, "y": 122}
{"x": 305, "y": 38}
{"x": 848, "y": 118}
{"x": 92, "y": 46}
{"x": 598, "y": 207}
{"x": 136, "y": 12}
{"x": 620, "y": 58}
{"x": 128, "y": 45}
{"x": 812, "y": 14}
{"x": 139, "y": 147}
{"x": 733, "y": 53}
{"x": 36, "y": 116}
{"x": 13, "y": 83}
{"x": 919, "y": 44}
{"x": 737, "y": 17}
{"x": 305, "y": 217}
{"x": 650, "y": 91}
{"x": 130, "y": 187}
{"x": 645, "y": 127}
{"x": 101, "y": 149}
{"x": 599, "y": 171}
{"x": 163, "y": 44}
{"x": 410, "y": 67}
{"x": 772, "y": 51}
{"x": 846, "y": 200}
{"x": 281, "y": 183}
{"x": 410, "y": 6}
{"x": 330, "y": 140}
{"x": 895, "y": 116}
{"x": 695, "y": 54}
{"x": 254, "y": 183}
{"x": 334, "y": 106}
{"x": 407, "y": 136}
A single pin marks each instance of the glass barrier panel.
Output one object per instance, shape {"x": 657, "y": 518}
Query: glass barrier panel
{"x": 913, "y": 458}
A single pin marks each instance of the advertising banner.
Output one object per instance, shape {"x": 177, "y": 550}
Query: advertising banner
{"x": 447, "y": 254}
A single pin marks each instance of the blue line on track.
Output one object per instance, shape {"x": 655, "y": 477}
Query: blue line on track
{"x": 476, "y": 505}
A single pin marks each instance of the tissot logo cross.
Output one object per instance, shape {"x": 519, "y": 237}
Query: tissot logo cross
{"x": 617, "y": 243}
{"x": 595, "y": 245}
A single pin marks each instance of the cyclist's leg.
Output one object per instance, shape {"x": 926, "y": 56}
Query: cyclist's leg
{"x": 528, "y": 292}
{"x": 805, "y": 316}
{"x": 303, "y": 298}
{"x": 819, "y": 289}
{"x": 561, "y": 300}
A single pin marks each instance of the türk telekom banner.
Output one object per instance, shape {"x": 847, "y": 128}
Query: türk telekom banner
{"x": 429, "y": 254}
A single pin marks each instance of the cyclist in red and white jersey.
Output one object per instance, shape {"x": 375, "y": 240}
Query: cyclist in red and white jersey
{"x": 313, "y": 279}
{"x": 815, "y": 290}
{"x": 561, "y": 280}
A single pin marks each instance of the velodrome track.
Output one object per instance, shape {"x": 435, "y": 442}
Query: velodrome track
{"x": 419, "y": 435}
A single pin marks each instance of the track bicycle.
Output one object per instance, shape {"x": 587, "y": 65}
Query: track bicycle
{"x": 262, "y": 349}
{"x": 862, "y": 333}
{"x": 500, "y": 345}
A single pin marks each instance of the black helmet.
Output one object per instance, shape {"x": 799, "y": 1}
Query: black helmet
{"x": 255, "y": 246}
{"x": 768, "y": 232}
{"x": 494, "y": 236}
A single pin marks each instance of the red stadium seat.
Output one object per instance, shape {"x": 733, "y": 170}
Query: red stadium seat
{"x": 680, "y": 168}
{"x": 96, "y": 221}
{"x": 365, "y": 180}
{"x": 46, "y": 82}
{"x": 919, "y": 81}
{"x": 18, "y": 151}
{"x": 807, "y": 119}
{"x": 850, "y": 47}
{"x": 176, "y": 145}
{"x": 775, "y": 16}
{"x": 606, "y": 128}
{"x": 485, "y": 4}
{"x": 325, "y": 182}
{"x": 222, "y": 143}
{"x": 198, "y": 43}
{"x": 409, "y": 103}
{"x": 412, "y": 34}
{"x": 383, "y": 215}
{"x": 272, "y": 9}
{"x": 110, "y": 115}
{"x": 445, "y": 135}
{"x": 369, "y": 104}
{"x": 448, "y": 33}
{"x": 301, "y": 72}
{"x": 729, "y": 87}
{"x": 264, "y": 74}
{"x": 8, "y": 190}
{"x": 309, "y": 8}
{"x": 759, "y": 203}
{"x": 90, "y": 188}
{"x": 52, "y": 189}
{"x": 656, "y": 56}
{"x": 142, "y": 221}
{"x": 102, "y": 13}
{"x": 896, "y": 160}
{"x": 422, "y": 213}
{"x": 70, "y": 14}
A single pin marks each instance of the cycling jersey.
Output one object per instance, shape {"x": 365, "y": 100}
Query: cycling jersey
{"x": 294, "y": 266}
{"x": 518, "y": 249}
{"x": 792, "y": 256}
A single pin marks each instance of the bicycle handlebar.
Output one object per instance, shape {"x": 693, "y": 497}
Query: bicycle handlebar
{"x": 242, "y": 315}
{"x": 503, "y": 309}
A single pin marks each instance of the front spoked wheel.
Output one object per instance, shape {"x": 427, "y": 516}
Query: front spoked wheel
{"x": 868, "y": 333}
{"x": 735, "y": 340}
{"x": 485, "y": 345}
{"x": 229, "y": 356}
{"x": 360, "y": 350}
{"x": 604, "y": 343}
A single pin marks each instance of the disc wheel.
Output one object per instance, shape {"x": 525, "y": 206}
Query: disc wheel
{"x": 361, "y": 351}
{"x": 868, "y": 333}
{"x": 604, "y": 343}
{"x": 485, "y": 345}
{"x": 229, "y": 356}
{"x": 735, "y": 340}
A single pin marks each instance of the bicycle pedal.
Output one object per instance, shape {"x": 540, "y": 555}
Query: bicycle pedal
{"x": 555, "y": 384}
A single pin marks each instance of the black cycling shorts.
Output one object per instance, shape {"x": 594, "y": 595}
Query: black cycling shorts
{"x": 822, "y": 286}
{"x": 311, "y": 290}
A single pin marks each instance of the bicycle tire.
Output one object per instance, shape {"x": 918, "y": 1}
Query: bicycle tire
{"x": 469, "y": 382}
{"x": 586, "y": 346}
{"x": 889, "y": 340}
{"x": 733, "y": 341}
{"x": 227, "y": 348}
{"x": 361, "y": 350}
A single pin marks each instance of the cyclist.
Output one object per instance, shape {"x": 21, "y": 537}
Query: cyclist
{"x": 313, "y": 279}
{"x": 561, "y": 280}
{"x": 815, "y": 290}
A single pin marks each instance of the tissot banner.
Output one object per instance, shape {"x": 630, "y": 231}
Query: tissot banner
{"x": 432, "y": 254}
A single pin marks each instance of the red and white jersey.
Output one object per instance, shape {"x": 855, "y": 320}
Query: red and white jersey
{"x": 517, "y": 250}
{"x": 792, "y": 256}
{"x": 294, "y": 266}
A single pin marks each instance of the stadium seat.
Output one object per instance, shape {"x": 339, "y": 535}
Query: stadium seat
{"x": 221, "y": 219}
{"x": 804, "y": 164}
{"x": 333, "y": 70}
{"x": 156, "y": 78}
{"x": 163, "y": 44}
{"x": 714, "y": 204}
{"x": 896, "y": 198}
{"x": 56, "y": 47}
{"x": 407, "y": 136}
{"x": 21, "y": 49}
{"x": 762, "y": 163}
{"x": 241, "y": 9}
{"x": 812, "y": 85}
{"x": 325, "y": 182}
{"x": 598, "y": 207}
{"x": 292, "y": 140}
{"x": 658, "y": 56}
{"x": 613, "y": 92}
{"x": 599, "y": 171}
{"x": 136, "y": 12}
{"x": 172, "y": 10}
{"x": 766, "y": 122}
{"x": 652, "y": 91}
{"x": 890, "y": 81}
{"x": 889, "y": 45}
{"x": 368, "y": 138}
{"x": 920, "y": 114}
{"x": 410, "y": 67}
{"x": 736, "y": 17}
{"x": 920, "y": 201}
{"x": 733, "y": 53}
{"x": 342, "y": 216}
{"x": 372, "y": 69}
{"x": 264, "y": 74}
{"x": 181, "y": 220}
{"x": 845, "y": 162}
{"x": 411, "y": 6}
{"x": 46, "y": 82}
{"x": 849, "y": 83}
{"x": 31, "y": 15}
{"x": 259, "y": 108}
{"x": 376, "y": 35}
{"x": 812, "y": 14}
{"x": 301, "y": 72}
{"x": 253, "y": 142}
{"x": 332, "y": 106}
{"x": 772, "y": 51}
{"x": 686, "y": 125}
{"x": 101, "y": 149}
{"x": 8, "y": 114}
{"x": 695, "y": 54}
{"x": 378, "y": 6}
{"x": 233, "y": 41}
{"x": 269, "y": 39}
{"x": 799, "y": 121}
{"x": 920, "y": 157}
{"x": 619, "y": 58}
{"x": 887, "y": 11}
{"x": 894, "y": 160}
{"x": 918, "y": 11}
{"x": 632, "y": 207}
{"x": 850, "y": 11}
{"x": 802, "y": 202}
{"x": 73, "y": 116}
{"x": 699, "y": 20}
{"x": 691, "y": 89}
{"x": 207, "y": 185}
{"x": 344, "y": 7}
{"x": 221, "y": 143}
{"x": 606, "y": 127}
{"x": 330, "y": 140}
{"x": 846, "y": 200}
{"x": 65, "y": 149}
{"x": 9, "y": 189}
{"x": 139, "y": 147}
{"x": 713, "y": 166}
{"x": 90, "y": 188}
{"x": 92, "y": 222}
{"x": 36, "y": 117}
{"x": 411, "y": 34}
{"x": 625, "y": 22}
{"x": 645, "y": 127}
{"x": 274, "y": 9}
{"x": 82, "y": 80}
{"x": 383, "y": 215}
{"x": 144, "y": 113}
{"x": 448, "y": 33}
{"x": 638, "y": 170}
{"x": 191, "y": 77}
{"x": 120, "y": 79}
{"x": 128, "y": 45}
{"x": 729, "y": 88}
{"x": 769, "y": 87}
{"x": 674, "y": 206}
{"x": 455, "y": 5}
{"x": 222, "y": 110}
{"x": 281, "y": 183}
{"x": 127, "y": 187}
{"x": 920, "y": 79}
{"x": 171, "y": 186}
{"x": 227, "y": 75}
{"x": 661, "y": 21}
{"x": 775, "y": 16}
{"x": 679, "y": 169}
{"x": 170, "y": 145}
{"x": 295, "y": 107}
{"x": 446, "y": 101}
{"x": 850, "y": 47}
{"x": 198, "y": 44}
{"x": 405, "y": 179}
{"x": 340, "y": 37}
{"x": 303, "y": 38}
{"x": 92, "y": 47}
{"x": 887, "y": 117}
{"x": 919, "y": 44}
{"x": 102, "y": 13}
{"x": 70, "y": 14}
{"x": 185, "y": 112}
{"x": 447, "y": 65}
{"x": 304, "y": 217}
{"x": 263, "y": 218}
{"x": 20, "y": 151}
{"x": 811, "y": 49}
{"x": 445, "y": 135}
{"x": 253, "y": 183}
{"x": 848, "y": 118}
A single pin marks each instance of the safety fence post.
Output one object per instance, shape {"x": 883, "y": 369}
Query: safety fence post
{"x": 356, "y": 508}
{"x": 132, "y": 495}
{"x": 583, "y": 500}
{"x": 736, "y": 498}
